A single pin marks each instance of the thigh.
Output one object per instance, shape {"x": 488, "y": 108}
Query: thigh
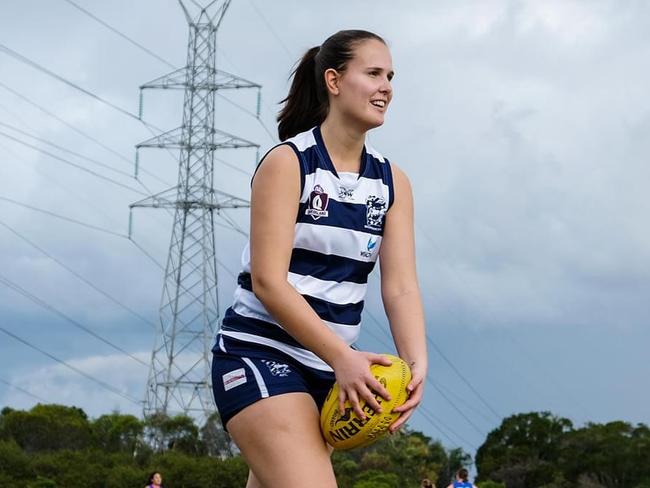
{"x": 280, "y": 439}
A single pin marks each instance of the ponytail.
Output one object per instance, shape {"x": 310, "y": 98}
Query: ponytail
{"x": 307, "y": 103}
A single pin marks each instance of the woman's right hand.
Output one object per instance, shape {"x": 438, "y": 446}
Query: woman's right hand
{"x": 356, "y": 382}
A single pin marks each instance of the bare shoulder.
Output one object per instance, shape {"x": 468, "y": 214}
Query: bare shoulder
{"x": 401, "y": 184}
{"x": 278, "y": 176}
{"x": 280, "y": 161}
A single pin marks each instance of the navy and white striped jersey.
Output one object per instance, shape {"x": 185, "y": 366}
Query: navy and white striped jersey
{"x": 338, "y": 234}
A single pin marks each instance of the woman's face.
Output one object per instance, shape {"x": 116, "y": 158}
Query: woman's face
{"x": 365, "y": 86}
{"x": 157, "y": 479}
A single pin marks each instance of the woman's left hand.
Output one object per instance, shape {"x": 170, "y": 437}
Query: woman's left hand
{"x": 416, "y": 390}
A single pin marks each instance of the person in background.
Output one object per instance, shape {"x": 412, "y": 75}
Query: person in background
{"x": 462, "y": 480}
{"x": 155, "y": 480}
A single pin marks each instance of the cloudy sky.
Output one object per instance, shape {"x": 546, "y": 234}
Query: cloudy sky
{"x": 524, "y": 127}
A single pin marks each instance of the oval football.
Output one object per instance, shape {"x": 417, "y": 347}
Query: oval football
{"x": 348, "y": 431}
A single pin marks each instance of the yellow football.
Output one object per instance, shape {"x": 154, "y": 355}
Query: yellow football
{"x": 348, "y": 431}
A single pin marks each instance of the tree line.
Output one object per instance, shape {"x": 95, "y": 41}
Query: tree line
{"x": 56, "y": 446}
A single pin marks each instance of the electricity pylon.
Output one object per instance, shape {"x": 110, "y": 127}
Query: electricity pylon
{"x": 179, "y": 376}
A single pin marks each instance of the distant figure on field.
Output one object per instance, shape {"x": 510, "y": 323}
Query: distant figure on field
{"x": 462, "y": 480}
{"x": 155, "y": 480}
{"x": 426, "y": 483}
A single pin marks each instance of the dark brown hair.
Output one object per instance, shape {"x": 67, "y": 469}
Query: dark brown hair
{"x": 463, "y": 474}
{"x": 307, "y": 104}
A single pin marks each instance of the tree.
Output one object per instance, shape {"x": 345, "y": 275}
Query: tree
{"x": 47, "y": 427}
{"x": 524, "y": 451}
{"x": 172, "y": 433}
{"x": 215, "y": 439}
{"x": 116, "y": 432}
{"x": 615, "y": 454}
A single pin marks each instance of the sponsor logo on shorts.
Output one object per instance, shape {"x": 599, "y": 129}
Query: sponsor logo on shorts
{"x": 277, "y": 369}
{"x": 234, "y": 378}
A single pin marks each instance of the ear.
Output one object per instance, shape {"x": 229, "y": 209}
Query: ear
{"x": 332, "y": 78}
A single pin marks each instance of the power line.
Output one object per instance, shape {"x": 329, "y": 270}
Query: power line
{"x": 20, "y": 290}
{"x": 427, "y": 413}
{"x": 70, "y": 163}
{"x": 269, "y": 26}
{"x": 161, "y": 59}
{"x": 80, "y": 132}
{"x": 61, "y": 148}
{"x": 492, "y": 319}
{"x": 60, "y": 78}
{"x": 464, "y": 402}
{"x": 458, "y": 410}
{"x": 123, "y": 36}
{"x": 62, "y": 217}
{"x": 463, "y": 378}
{"x": 428, "y": 380}
{"x": 77, "y": 275}
{"x": 73, "y": 368}
{"x": 40, "y": 399}
{"x": 55, "y": 182}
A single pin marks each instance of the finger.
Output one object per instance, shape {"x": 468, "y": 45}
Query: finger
{"x": 377, "y": 387}
{"x": 415, "y": 382}
{"x": 410, "y": 403}
{"x": 370, "y": 399}
{"x": 400, "y": 422}
{"x": 379, "y": 359}
{"x": 342, "y": 398}
{"x": 353, "y": 399}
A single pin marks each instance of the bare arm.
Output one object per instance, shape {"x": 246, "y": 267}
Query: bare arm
{"x": 274, "y": 205}
{"x": 401, "y": 293}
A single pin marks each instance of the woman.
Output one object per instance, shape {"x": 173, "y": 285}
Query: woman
{"x": 155, "y": 480}
{"x": 324, "y": 207}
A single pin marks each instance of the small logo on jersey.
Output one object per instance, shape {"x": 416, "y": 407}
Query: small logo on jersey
{"x": 370, "y": 247}
{"x": 346, "y": 193}
{"x": 277, "y": 369}
{"x": 318, "y": 201}
{"x": 234, "y": 378}
{"x": 375, "y": 211}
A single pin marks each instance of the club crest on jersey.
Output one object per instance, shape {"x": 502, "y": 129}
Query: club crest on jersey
{"x": 318, "y": 201}
{"x": 375, "y": 211}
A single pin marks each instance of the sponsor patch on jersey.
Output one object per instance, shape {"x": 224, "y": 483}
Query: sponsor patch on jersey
{"x": 375, "y": 211}
{"x": 277, "y": 369}
{"x": 234, "y": 378}
{"x": 318, "y": 201}
{"x": 370, "y": 248}
{"x": 346, "y": 193}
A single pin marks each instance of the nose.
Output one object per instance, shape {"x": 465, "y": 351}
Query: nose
{"x": 386, "y": 87}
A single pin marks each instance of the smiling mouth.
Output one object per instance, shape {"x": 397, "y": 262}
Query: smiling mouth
{"x": 378, "y": 103}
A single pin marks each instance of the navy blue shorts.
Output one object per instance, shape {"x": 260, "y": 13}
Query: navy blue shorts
{"x": 244, "y": 372}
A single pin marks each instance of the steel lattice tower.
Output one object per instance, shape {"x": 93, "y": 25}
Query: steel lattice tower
{"x": 179, "y": 376}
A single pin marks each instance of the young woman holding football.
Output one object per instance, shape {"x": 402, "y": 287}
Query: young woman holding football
{"x": 325, "y": 206}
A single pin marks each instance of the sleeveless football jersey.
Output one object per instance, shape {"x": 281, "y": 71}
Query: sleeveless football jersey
{"x": 338, "y": 234}
{"x": 462, "y": 484}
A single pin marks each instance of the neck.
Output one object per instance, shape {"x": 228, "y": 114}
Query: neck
{"x": 344, "y": 143}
